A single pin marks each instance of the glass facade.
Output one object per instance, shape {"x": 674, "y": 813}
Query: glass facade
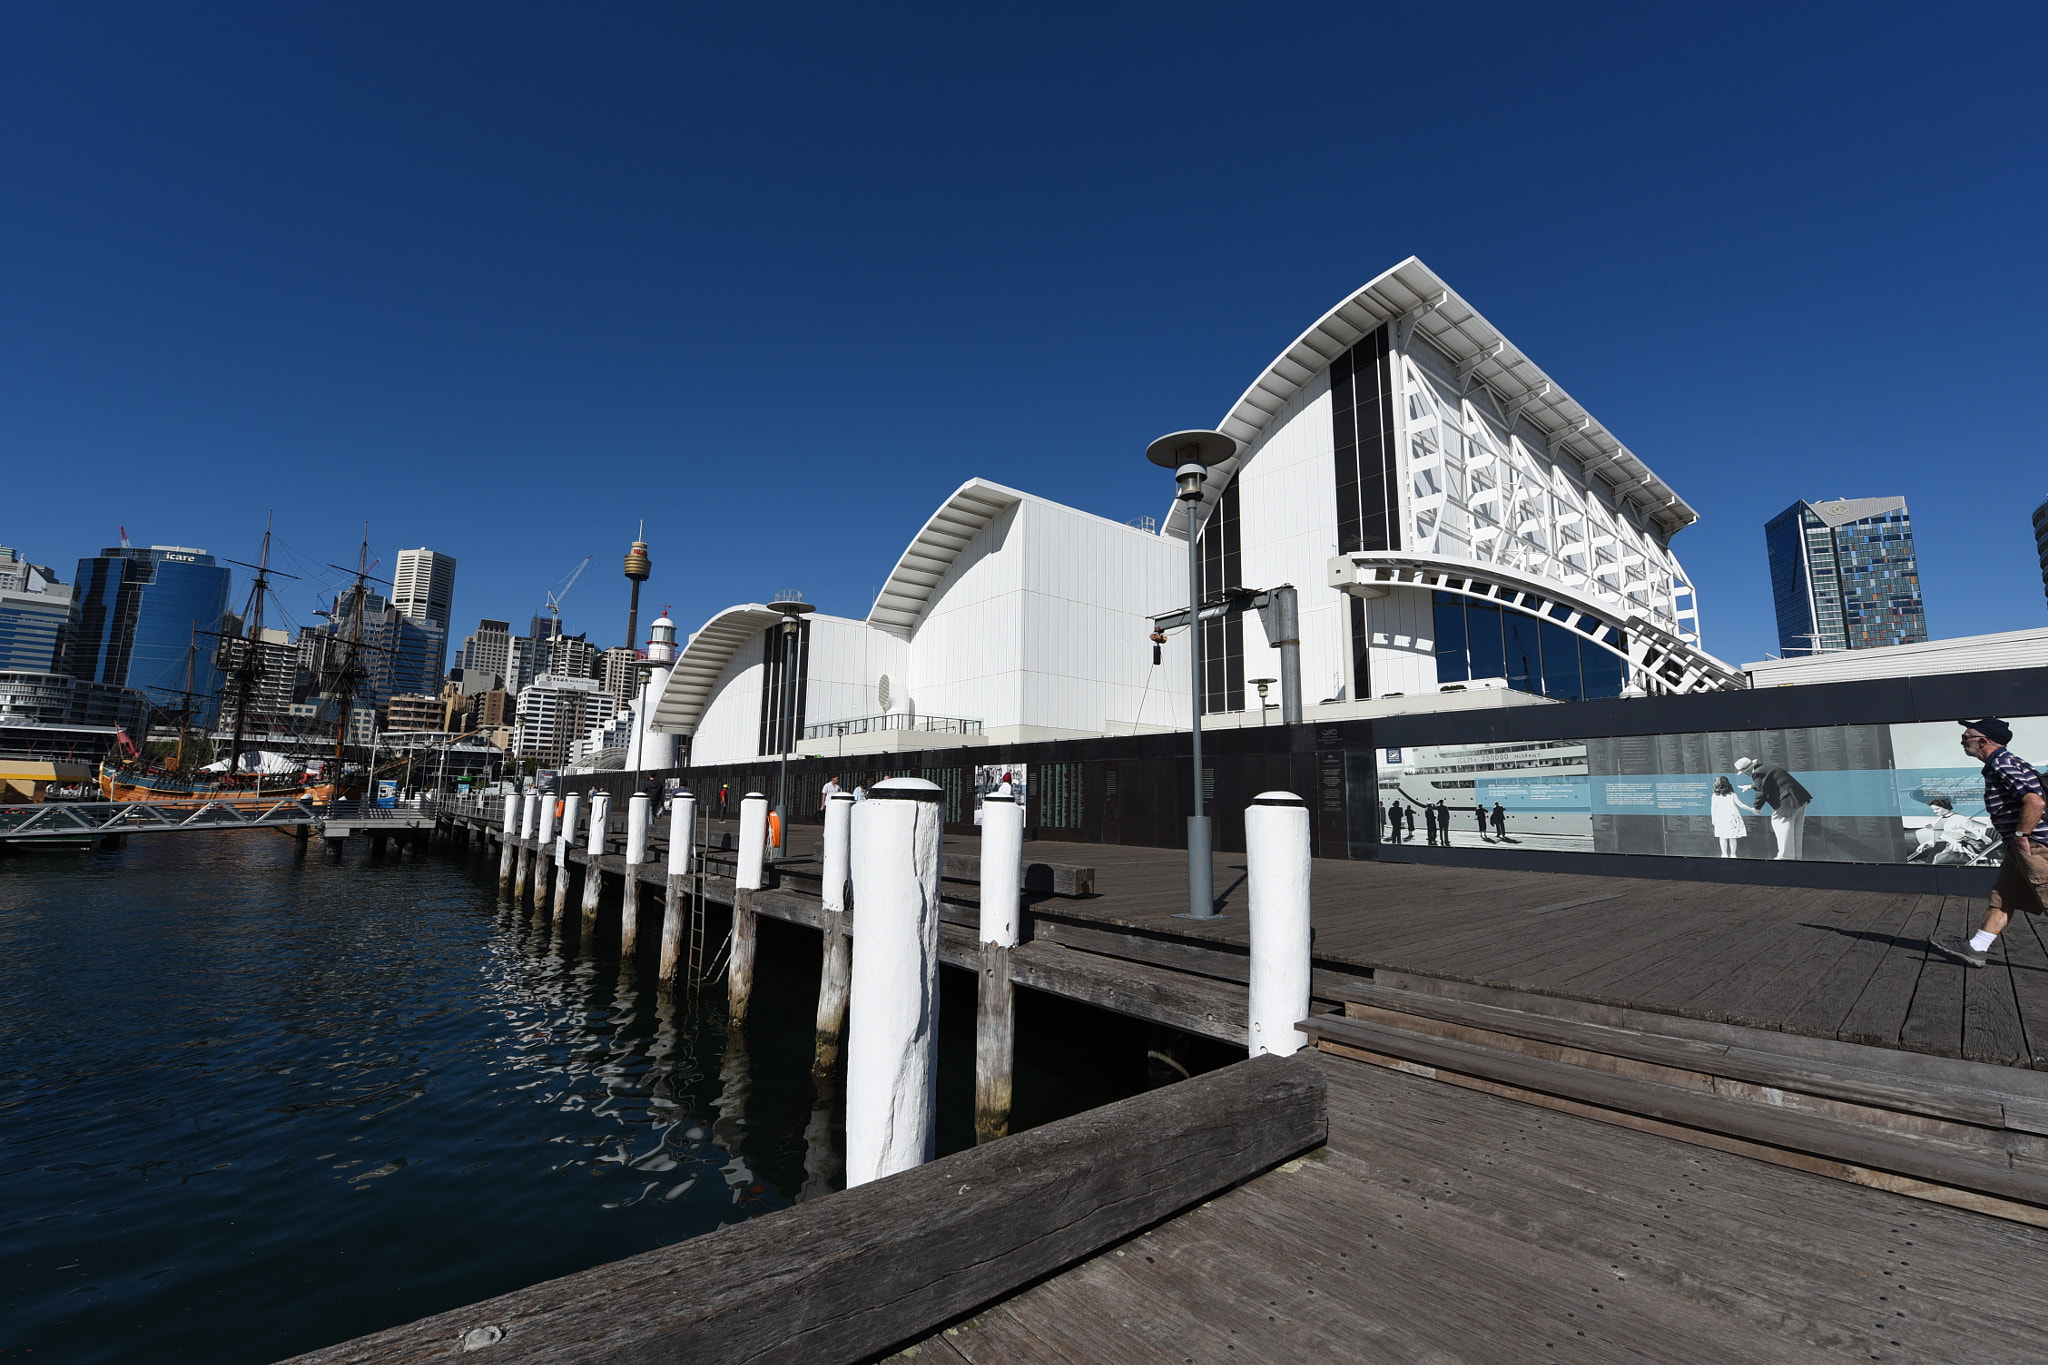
{"x": 138, "y": 610}
{"x": 1222, "y": 640}
{"x": 1845, "y": 575}
{"x": 785, "y": 683}
{"x": 1484, "y": 640}
{"x": 1368, "y": 480}
{"x": 35, "y": 629}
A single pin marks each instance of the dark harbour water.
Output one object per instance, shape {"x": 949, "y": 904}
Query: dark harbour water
{"x": 254, "y": 1101}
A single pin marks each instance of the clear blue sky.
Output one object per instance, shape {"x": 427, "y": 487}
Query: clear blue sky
{"x": 503, "y": 279}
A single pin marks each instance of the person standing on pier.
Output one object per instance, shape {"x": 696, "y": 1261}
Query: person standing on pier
{"x": 1479, "y": 815}
{"x": 831, "y": 789}
{"x": 1429, "y": 823}
{"x": 1788, "y": 802}
{"x": 2014, "y": 800}
{"x": 1500, "y": 822}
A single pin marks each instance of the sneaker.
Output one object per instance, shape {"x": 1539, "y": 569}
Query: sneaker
{"x": 1958, "y": 947}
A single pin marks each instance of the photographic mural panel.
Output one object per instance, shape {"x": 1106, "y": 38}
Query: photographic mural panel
{"x": 1840, "y": 793}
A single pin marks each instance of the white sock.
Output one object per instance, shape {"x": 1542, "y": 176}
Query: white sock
{"x": 1981, "y": 941}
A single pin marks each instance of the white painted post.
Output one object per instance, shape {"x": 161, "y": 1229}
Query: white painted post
{"x": 891, "y": 1066}
{"x": 838, "y": 848}
{"x": 565, "y": 839}
{"x": 995, "y": 1014}
{"x": 638, "y": 809}
{"x": 682, "y": 836}
{"x": 753, "y": 839}
{"x": 544, "y": 839}
{"x": 1277, "y": 874}
{"x": 837, "y": 967}
{"x": 593, "y": 880}
{"x": 747, "y": 879}
{"x": 528, "y": 813}
{"x": 507, "y": 844}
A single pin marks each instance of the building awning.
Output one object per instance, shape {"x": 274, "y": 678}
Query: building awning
{"x": 701, "y": 662}
{"x": 932, "y": 553}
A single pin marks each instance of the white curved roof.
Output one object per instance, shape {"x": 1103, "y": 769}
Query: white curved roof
{"x": 700, "y": 662}
{"x": 928, "y": 557}
{"x": 1413, "y": 294}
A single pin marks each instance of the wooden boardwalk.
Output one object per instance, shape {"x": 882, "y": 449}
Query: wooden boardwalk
{"x": 1851, "y": 965}
{"x": 1834, "y": 964}
{"x": 1442, "y": 1225}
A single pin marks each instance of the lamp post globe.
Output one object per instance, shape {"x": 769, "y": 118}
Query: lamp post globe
{"x": 1190, "y": 455}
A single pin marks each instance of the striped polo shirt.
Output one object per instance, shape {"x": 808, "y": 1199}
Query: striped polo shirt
{"x": 2009, "y": 780}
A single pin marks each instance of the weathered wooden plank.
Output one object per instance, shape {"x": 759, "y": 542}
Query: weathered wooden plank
{"x": 1991, "y": 1012}
{"x": 846, "y": 1277}
{"x": 1222, "y": 963}
{"x": 1213, "y": 1009}
{"x": 1934, "y": 1021}
{"x": 1880, "y": 1011}
{"x": 2026, "y": 957}
{"x": 1836, "y": 990}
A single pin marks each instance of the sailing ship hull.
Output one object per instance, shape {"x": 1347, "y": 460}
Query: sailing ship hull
{"x": 128, "y": 784}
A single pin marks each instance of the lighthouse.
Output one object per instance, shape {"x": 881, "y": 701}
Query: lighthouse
{"x": 654, "y": 750}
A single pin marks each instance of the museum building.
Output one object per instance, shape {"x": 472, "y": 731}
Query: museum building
{"x": 1456, "y": 526}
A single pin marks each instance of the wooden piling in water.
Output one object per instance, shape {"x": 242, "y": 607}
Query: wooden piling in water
{"x": 505, "y": 846}
{"x": 564, "y": 841}
{"x": 739, "y": 966}
{"x": 638, "y": 808}
{"x": 995, "y": 1013}
{"x": 593, "y": 880}
{"x": 682, "y": 837}
{"x": 543, "y": 852}
{"x": 836, "y": 971}
{"x": 892, "y": 1057}
{"x": 529, "y": 812}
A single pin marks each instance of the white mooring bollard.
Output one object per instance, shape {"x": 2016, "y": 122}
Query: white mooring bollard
{"x": 529, "y": 812}
{"x": 682, "y": 838}
{"x": 748, "y": 877}
{"x": 543, "y": 850}
{"x": 753, "y": 839}
{"x": 995, "y": 1014}
{"x": 593, "y": 880}
{"x": 836, "y": 969}
{"x": 1276, "y": 872}
{"x": 565, "y": 839}
{"x": 838, "y": 848}
{"x": 638, "y": 809}
{"x": 892, "y": 1036}
{"x": 507, "y": 844}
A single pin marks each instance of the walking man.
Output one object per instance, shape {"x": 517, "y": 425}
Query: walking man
{"x": 2014, "y": 801}
{"x": 1500, "y": 822}
{"x": 1788, "y": 802}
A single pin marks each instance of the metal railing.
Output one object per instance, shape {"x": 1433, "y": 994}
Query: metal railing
{"x": 366, "y": 811}
{"x": 869, "y": 725}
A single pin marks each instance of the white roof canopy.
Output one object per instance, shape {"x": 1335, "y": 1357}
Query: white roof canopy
{"x": 699, "y": 664}
{"x": 928, "y": 558}
{"x": 1415, "y": 298}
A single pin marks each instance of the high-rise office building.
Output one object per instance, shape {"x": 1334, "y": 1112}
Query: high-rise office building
{"x": 622, "y": 672}
{"x": 2041, "y": 540}
{"x": 423, "y": 588}
{"x": 487, "y": 653}
{"x": 36, "y": 615}
{"x": 397, "y": 653}
{"x": 1844, "y": 575}
{"x": 138, "y": 611}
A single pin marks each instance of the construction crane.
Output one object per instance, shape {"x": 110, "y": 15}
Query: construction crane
{"x": 561, "y": 590}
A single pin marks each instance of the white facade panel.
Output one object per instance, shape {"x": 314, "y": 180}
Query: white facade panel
{"x": 731, "y": 728}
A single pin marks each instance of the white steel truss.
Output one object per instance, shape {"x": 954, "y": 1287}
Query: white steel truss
{"x": 54, "y": 819}
{"x": 1479, "y": 490}
{"x": 1659, "y": 661}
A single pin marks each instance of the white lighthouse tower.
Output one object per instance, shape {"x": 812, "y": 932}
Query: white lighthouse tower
{"x": 655, "y": 751}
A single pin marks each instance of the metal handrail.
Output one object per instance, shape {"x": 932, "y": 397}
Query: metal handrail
{"x": 900, "y": 720}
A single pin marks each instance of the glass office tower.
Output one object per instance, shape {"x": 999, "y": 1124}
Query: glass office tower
{"x": 137, "y": 611}
{"x": 1844, "y": 575}
{"x": 2041, "y": 540}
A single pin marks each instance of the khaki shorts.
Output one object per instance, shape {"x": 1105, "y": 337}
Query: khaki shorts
{"x": 2023, "y": 878}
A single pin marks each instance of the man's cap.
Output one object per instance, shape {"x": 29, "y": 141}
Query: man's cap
{"x": 1992, "y": 728}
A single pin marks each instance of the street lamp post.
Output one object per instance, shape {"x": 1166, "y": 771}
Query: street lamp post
{"x": 1189, "y": 454}
{"x": 793, "y": 613}
{"x": 1262, "y": 684}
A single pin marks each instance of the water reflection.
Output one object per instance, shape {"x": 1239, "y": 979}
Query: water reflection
{"x": 317, "y": 1097}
